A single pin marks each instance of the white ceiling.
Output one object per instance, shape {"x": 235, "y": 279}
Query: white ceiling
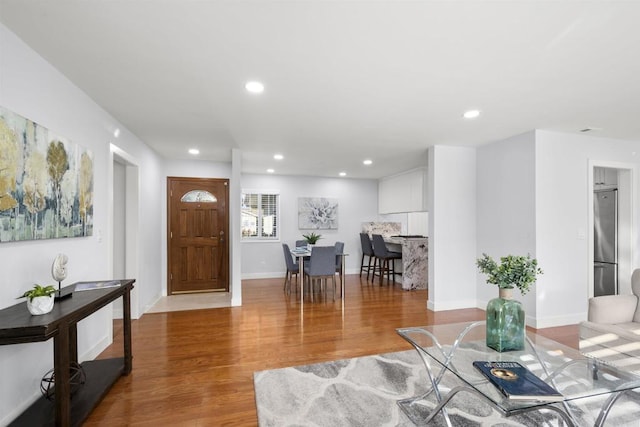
{"x": 345, "y": 80}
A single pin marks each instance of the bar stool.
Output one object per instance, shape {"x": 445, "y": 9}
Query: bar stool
{"x": 384, "y": 258}
{"x": 367, "y": 250}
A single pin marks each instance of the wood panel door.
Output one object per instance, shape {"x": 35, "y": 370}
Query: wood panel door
{"x": 198, "y": 230}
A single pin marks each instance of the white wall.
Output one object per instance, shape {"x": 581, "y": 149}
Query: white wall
{"x": 452, "y": 227}
{"x": 196, "y": 169}
{"x": 563, "y": 227}
{"x": 506, "y": 208}
{"x": 358, "y": 203}
{"x": 29, "y": 86}
{"x": 535, "y": 196}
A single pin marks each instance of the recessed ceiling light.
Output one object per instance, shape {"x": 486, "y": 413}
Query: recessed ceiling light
{"x": 194, "y": 151}
{"x": 116, "y": 132}
{"x": 343, "y": 174}
{"x": 254, "y": 87}
{"x": 471, "y": 114}
{"x": 367, "y": 162}
{"x": 278, "y": 156}
{"x": 270, "y": 171}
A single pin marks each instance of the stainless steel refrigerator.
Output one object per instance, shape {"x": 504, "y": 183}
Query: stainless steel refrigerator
{"x": 605, "y": 251}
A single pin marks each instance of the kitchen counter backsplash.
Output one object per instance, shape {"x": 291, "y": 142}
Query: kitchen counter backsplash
{"x": 386, "y": 229}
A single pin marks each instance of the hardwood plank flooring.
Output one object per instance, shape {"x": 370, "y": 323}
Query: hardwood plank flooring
{"x": 195, "y": 368}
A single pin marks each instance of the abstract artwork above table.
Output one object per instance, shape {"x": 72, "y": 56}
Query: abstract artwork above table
{"x": 317, "y": 213}
{"x": 46, "y": 183}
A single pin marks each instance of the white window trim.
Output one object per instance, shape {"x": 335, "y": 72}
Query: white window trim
{"x": 258, "y": 239}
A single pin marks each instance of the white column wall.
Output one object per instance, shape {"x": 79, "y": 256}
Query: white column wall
{"x": 452, "y": 227}
{"x": 506, "y": 208}
{"x": 235, "y": 212}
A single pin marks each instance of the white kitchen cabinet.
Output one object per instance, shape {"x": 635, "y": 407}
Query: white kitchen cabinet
{"x": 404, "y": 192}
{"x": 605, "y": 177}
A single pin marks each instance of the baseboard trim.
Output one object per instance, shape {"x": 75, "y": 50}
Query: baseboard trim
{"x": 450, "y": 305}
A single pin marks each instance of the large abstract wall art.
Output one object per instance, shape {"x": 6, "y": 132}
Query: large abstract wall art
{"x": 317, "y": 213}
{"x": 46, "y": 183}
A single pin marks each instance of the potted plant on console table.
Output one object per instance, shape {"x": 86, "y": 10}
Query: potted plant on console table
{"x": 505, "y": 316}
{"x": 40, "y": 299}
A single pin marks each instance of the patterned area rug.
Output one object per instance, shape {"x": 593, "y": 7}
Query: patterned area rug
{"x": 363, "y": 391}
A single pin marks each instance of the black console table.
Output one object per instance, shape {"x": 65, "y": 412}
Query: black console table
{"x": 19, "y": 326}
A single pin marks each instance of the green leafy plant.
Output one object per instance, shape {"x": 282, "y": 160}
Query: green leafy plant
{"x": 513, "y": 271}
{"x": 312, "y": 238}
{"x": 38, "y": 291}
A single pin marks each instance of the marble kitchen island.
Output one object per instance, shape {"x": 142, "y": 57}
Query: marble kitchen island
{"x": 414, "y": 259}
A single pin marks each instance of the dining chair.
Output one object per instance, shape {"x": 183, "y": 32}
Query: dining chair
{"x": 339, "y": 251}
{"x": 322, "y": 266}
{"x": 385, "y": 258}
{"x": 301, "y": 243}
{"x": 292, "y": 268}
{"x": 367, "y": 250}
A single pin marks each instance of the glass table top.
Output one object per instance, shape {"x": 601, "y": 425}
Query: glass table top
{"x": 452, "y": 348}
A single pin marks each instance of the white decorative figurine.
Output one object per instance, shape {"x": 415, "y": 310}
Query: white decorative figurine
{"x": 59, "y": 270}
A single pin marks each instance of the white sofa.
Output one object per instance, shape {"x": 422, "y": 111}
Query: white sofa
{"x": 612, "y": 331}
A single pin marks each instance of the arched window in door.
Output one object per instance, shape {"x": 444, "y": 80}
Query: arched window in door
{"x": 198, "y": 196}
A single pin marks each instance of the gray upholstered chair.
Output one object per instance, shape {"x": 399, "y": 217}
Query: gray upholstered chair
{"x": 385, "y": 258}
{"x": 292, "y": 268}
{"x": 367, "y": 250}
{"x": 612, "y": 330}
{"x": 339, "y": 251}
{"x": 322, "y": 266}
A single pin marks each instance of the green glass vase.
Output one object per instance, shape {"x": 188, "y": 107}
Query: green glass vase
{"x": 505, "y": 323}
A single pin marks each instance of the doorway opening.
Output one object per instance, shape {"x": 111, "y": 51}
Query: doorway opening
{"x": 124, "y": 224}
{"x": 611, "y": 219}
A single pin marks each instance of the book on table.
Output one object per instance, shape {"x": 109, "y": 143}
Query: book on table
{"x": 87, "y": 286}
{"x": 517, "y": 382}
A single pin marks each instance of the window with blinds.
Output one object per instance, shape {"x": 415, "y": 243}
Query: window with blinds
{"x": 260, "y": 216}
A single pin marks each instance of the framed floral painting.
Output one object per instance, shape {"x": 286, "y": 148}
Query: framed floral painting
{"x": 317, "y": 213}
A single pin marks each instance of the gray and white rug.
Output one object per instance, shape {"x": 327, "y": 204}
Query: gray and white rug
{"x": 363, "y": 391}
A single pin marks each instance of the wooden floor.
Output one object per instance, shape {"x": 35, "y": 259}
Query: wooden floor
{"x": 195, "y": 368}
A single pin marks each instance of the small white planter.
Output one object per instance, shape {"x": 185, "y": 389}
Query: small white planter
{"x": 40, "y": 305}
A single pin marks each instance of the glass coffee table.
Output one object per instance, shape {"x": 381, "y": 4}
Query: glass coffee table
{"x": 452, "y": 348}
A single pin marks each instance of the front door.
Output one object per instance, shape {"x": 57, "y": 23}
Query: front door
{"x": 198, "y": 229}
